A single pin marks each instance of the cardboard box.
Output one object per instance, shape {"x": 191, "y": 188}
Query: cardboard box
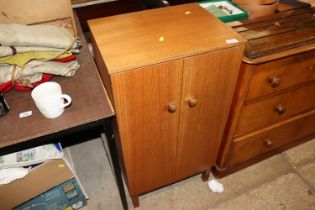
{"x": 58, "y": 13}
{"x": 66, "y": 196}
{"x": 39, "y": 180}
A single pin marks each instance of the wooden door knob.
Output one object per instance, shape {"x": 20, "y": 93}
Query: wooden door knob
{"x": 268, "y": 143}
{"x": 274, "y": 81}
{"x": 280, "y": 109}
{"x": 192, "y": 102}
{"x": 171, "y": 108}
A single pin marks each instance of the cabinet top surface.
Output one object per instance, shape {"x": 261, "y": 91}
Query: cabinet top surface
{"x": 148, "y": 37}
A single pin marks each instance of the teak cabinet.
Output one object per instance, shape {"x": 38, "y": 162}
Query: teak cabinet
{"x": 274, "y": 104}
{"x": 171, "y": 74}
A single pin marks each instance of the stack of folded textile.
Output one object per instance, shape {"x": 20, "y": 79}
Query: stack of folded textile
{"x": 30, "y": 55}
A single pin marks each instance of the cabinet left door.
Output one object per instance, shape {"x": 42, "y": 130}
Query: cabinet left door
{"x": 147, "y": 109}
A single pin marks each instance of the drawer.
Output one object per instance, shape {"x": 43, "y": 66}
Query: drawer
{"x": 274, "y": 109}
{"x": 257, "y": 143}
{"x": 278, "y": 75}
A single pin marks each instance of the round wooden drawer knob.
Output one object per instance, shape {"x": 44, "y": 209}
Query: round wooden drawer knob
{"x": 268, "y": 143}
{"x": 171, "y": 108}
{"x": 274, "y": 81}
{"x": 280, "y": 109}
{"x": 192, "y": 102}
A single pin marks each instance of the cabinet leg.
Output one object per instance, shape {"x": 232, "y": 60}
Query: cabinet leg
{"x": 135, "y": 201}
{"x": 205, "y": 175}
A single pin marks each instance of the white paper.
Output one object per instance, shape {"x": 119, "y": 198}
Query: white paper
{"x": 215, "y": 186}
{"x": 10, "y": 174}
{"x": 25, "y": 114}
{"x": 231, "y": 41}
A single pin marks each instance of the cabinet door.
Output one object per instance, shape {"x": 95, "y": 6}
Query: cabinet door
{"x": 208, "y": 85}
{"x": 148, "y": 130}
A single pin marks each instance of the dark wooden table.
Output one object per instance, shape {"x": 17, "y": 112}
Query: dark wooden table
{"x": 90, "y": 108}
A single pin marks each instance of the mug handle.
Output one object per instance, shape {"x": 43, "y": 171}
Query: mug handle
{"x": 68, "y": 100}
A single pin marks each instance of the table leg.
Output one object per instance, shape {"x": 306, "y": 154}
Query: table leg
{"x": 108, "y": 128}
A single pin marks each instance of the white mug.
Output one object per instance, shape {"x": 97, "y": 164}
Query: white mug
{"x": 49, "y": 99}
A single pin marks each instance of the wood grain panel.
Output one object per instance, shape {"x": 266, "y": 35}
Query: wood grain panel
{"x": 246, "y": 72}
{"x": 211, "y": 80}
{"x": 101, "y": 66}
{"x": 291, "y": 71}
{"x": 254, "y": 144}
{"x": 148, "y": 132}
{"x": 159, "y": 35}
{"x": 263, "y": 113}
{"x": 270, "y": 35}
{"x": 253, "y": 117}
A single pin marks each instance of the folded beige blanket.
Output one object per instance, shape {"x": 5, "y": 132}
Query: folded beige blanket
{"x": 35, "y": 36}
{"x": 6, "y": 51}
{"x": 32, "y": 71}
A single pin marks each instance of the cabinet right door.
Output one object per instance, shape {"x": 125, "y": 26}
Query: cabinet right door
{"x": 208, "y": 84}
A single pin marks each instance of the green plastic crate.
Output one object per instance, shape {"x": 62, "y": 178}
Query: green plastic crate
{"x": 224, "y": 14}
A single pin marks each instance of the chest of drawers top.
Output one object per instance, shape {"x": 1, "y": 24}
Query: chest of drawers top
{"x": 277, "y": 36}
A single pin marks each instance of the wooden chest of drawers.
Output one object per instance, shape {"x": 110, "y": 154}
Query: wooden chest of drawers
{"x": 274, "y": 104}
